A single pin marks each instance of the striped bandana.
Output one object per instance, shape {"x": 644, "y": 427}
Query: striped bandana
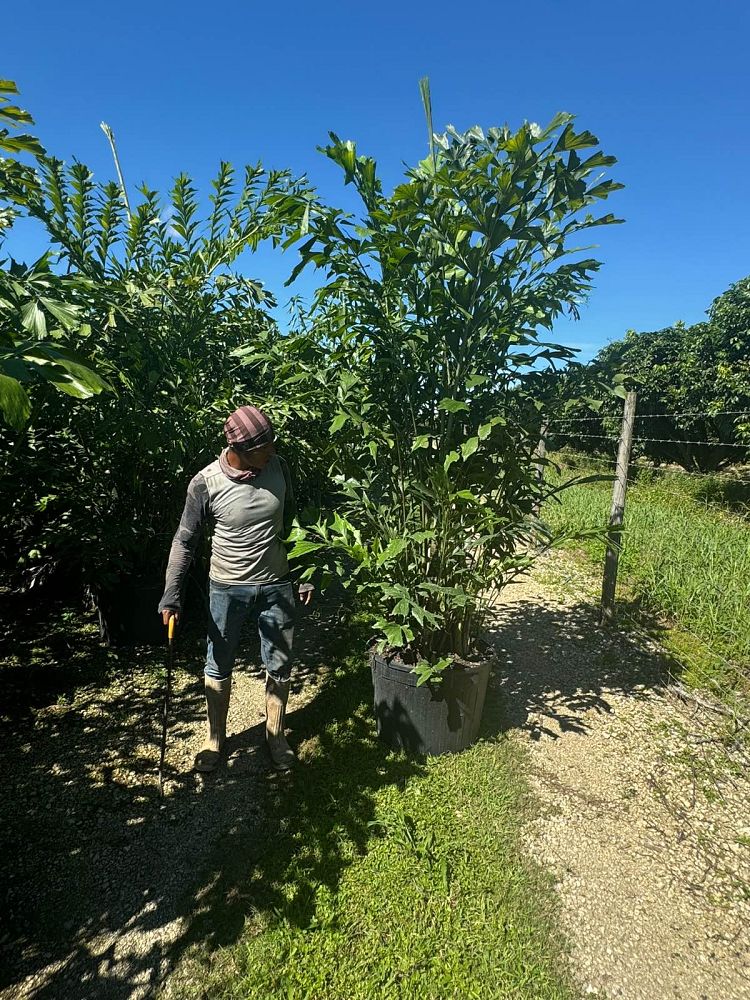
{"x": 248, "y": 428}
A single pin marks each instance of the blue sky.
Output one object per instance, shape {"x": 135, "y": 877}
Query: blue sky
{"x": 665, "y": 86}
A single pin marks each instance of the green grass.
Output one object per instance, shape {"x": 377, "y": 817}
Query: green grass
{"x": 390, "y": 877}
{"x": 682, "y": 557}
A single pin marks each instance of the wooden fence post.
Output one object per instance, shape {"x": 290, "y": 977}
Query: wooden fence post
{"x": 541, "y": 451}
{"x": 611, "y": 559}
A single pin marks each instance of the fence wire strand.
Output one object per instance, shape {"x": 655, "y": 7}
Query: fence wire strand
{"x": 645, "y": 416}
{"x": 645, "y": 440}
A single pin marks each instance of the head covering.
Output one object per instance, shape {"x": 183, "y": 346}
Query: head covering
{"x": 248, "y": 427}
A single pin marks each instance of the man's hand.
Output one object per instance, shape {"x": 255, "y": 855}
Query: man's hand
{"x": 306, "y": 592}
{"x": 168, "y": 613}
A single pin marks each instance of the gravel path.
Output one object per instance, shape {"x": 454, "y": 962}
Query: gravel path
{"x": 645, "y": 830}
{"x": 644, "y": 827}
{"x": 119, "y": 882}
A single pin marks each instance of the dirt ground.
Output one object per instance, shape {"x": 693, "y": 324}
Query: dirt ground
{"x": 104, "y": 881}
{"x": 643, "y": 818}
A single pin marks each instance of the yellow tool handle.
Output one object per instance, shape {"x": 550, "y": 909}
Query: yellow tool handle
{"x": 170, "y": 628}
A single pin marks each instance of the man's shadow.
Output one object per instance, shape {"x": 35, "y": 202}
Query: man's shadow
{"x": 107, "y": 883}
{"x": 110, "y": 886}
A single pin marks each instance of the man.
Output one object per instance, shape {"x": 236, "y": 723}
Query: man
{"x": 247, "y": 493}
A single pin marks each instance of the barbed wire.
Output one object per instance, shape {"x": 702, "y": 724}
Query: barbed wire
{"x": 645, "y": 416}
{"x": 723, "y": 476}
{"x": 725, "y": 691}
{"x": 712, "y": 444}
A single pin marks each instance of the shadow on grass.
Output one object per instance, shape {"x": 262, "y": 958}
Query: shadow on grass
{"x": 108, "y": 886}
{"x": 105, "y": 883}
{"x": 312, "y": 812}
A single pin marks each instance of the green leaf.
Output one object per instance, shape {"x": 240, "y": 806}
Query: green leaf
{"x": 393, "y": 549}
{"x": 469, "y": 447}
{"x": 338, "y": 422}
{"x": 486, "y": 429}
{"x": 426, "y": 671}
{"x": 417, "y": 613}
{"x": 394, "y": 634}
{"x": 423, "y": 441}
{"x": 424, "y": 90}
{"x": 452, "y": 405}
{"x": 450, "y": 458}
{"x": 64, "y": 368}
{"x": 302, "y": 548}
{"x": 14, "y": 402}
{"x": 570, "y": 139}
{"x": 62, "y": 311}
{"x": 33, "y": 319}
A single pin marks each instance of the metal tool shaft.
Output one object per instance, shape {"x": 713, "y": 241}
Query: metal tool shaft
{"x": 167, "y": 700}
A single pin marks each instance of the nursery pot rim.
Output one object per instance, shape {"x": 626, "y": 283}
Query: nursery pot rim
{"x": 463, "y": 667}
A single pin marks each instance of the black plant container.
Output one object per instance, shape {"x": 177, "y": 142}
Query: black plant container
{"x": 128, "y": 612}
{"x": 433, "y": 718}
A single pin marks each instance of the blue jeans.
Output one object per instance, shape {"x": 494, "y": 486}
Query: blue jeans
{"x": 271, "y": 605}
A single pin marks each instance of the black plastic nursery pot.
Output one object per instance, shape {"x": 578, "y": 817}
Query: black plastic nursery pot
{"x": 128, "y": 612}
{"x": 433, "y": 718}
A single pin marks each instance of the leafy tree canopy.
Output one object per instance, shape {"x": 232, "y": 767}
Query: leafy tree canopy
{"x": 697, "y": 378}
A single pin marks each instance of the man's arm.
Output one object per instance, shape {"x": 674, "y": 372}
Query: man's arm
{"x": 185, "y": 543}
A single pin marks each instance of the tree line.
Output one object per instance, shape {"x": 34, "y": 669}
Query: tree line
{"x": 694, "y": 379}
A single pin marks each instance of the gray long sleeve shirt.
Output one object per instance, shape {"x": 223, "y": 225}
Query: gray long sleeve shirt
{"x": 250, "y": 519}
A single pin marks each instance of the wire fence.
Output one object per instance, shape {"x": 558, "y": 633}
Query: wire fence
{"x": 686, "y": 556}
{"x": 645, "y": 416}
{"x": 678, "y": 441}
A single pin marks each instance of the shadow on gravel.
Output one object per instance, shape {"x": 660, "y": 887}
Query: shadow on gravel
{"x": 558, "y": 665}
{"x": 105, "y": 884}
